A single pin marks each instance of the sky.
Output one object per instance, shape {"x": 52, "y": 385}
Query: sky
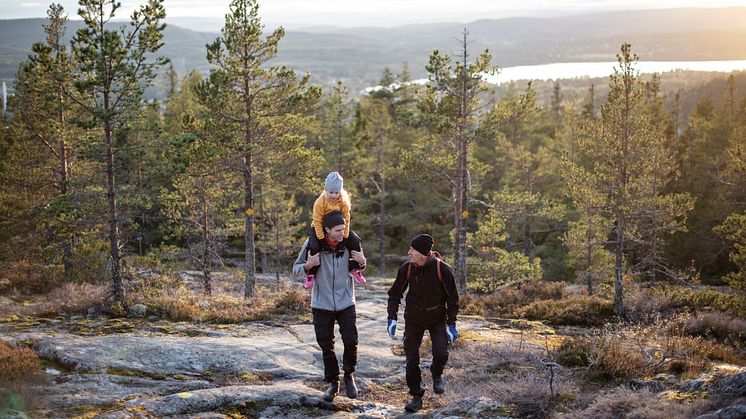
{"x": 383, "y": 13}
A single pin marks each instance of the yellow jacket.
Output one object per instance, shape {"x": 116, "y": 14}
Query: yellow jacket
{"x": 323, "y": 206}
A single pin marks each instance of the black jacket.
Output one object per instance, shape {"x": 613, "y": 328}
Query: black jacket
{"x": 428, "y": 298}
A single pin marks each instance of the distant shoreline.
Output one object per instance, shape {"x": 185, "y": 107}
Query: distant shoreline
{"x": 560, "y": 71}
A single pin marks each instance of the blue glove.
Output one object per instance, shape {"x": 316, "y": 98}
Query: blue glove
{"x": 391, "y": 329}
{"x": 451, "y": 334}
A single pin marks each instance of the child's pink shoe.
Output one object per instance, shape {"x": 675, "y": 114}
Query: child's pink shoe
{"x": 355, "y": 273}
{"x": 309, "y": 280}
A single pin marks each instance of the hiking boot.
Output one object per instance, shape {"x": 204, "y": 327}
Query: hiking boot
{"x": 309, "y": 281}
{"x": 332, "y": 391}
{"x": 358, "y": 276}
{"x": 350, "y": 386}
{"x": 415, "y": 404}
{"x": 438, "y": 385}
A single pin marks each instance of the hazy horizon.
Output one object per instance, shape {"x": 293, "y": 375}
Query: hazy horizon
{"x": 381, "y": 13}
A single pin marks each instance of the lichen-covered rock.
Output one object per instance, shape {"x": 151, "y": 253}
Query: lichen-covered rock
{"x": 288, "y": 394}
{"x": 278, "y": 352}
{"x": 108, "y": 389}
{"x": 731, "y": 387}
{"x": 737, "y": 411}
{"x": 472, "y": 407}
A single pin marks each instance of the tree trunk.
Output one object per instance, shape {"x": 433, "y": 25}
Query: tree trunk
{"x": 527, "y": 243}
{"x": 382, "y": 229}
{"x": 619, "y": 277}
{"x": 250, "y": 280}
{"x": 206, "y": 255}
{"x": 382, "y": 207}
{"x": 263, "y": 227}
{"x": 111, "y": 197}
{"x": 589, "y": 260}
{"x": 67, "y": 242}
{"x": 462, "y": 213}
{"x": 277, "y": 252}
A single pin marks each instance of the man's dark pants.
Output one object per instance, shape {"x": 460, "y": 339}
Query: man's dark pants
{"x": 413, "y": 332}
{"x": 323, "y": 325}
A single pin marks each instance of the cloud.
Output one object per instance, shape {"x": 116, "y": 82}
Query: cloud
{"x": 30, "y": 4}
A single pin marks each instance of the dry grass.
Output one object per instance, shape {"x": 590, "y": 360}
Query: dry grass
{"x": 516, "y": 378}
{"x": 169, "y": 298}
{"x": 624, "y": 403}
{"x": 68, "y": 299}
{"x": 394, "y": 394}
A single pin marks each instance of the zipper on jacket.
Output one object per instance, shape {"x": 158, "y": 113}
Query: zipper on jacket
{"x": 334, "y": 279}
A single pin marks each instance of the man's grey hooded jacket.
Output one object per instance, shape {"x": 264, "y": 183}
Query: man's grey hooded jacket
{"x": 333, "y": 289}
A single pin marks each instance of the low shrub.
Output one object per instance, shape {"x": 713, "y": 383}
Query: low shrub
{"x": 505, "y": 301}
{"x": 574, "y": 311}
{"x": 706, "y": 299}
{"x": 646, "y": 307}
{"x": 606, "y": 357}
{"x": 29, "y": 277}
{"x": 719, "y": 326}
{"x": 17, "y": 364}
{"x": 292, "y": 302}
{"x": 689, "y": 347}
{"x": 574, "y": 352}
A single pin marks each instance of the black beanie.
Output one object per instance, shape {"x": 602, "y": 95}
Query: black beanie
{"x": 423, "y": 244}
{"x": 333, "y": 219}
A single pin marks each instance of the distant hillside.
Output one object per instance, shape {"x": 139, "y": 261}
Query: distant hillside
{"x": 357, "y": 56}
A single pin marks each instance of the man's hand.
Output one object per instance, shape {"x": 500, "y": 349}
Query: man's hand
{"x": 358, "y": 257}
{"x": 451, "y": 334}
{"x": 313, "y": 260}
{"x": 391, "y": 329}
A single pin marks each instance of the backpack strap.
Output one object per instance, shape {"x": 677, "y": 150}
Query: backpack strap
{"x": 438, "y": 261}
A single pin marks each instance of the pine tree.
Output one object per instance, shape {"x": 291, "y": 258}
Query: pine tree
{"x": 199, "y": 208}
{"x": 624, "y": 151}
{"x": 335, "y": 140}
{"x": 555, "y": 103}
{"x": 378, "y": 130}
{"x": 42, "y": 114}
{"x": 266, "y": 108}
{"x": 113, "y": 67}
{"x": 452, "y": 102}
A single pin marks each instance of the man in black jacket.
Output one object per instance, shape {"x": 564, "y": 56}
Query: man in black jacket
{"x": 432, "y": 305}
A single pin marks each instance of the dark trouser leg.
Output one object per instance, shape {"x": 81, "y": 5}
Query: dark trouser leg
{"x": 353, "y": 243}
{"x": 347, "y": 328}
{"x": 412, "y": 341}
{"x": 313, "y": 247}
{"x": 440, "y": 348}
{"x": 323, "y": 326}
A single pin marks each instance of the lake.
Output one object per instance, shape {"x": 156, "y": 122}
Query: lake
{"x": 597, "y": 69}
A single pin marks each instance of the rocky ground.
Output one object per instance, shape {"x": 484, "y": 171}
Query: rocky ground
{"x": 143, "y": 366}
